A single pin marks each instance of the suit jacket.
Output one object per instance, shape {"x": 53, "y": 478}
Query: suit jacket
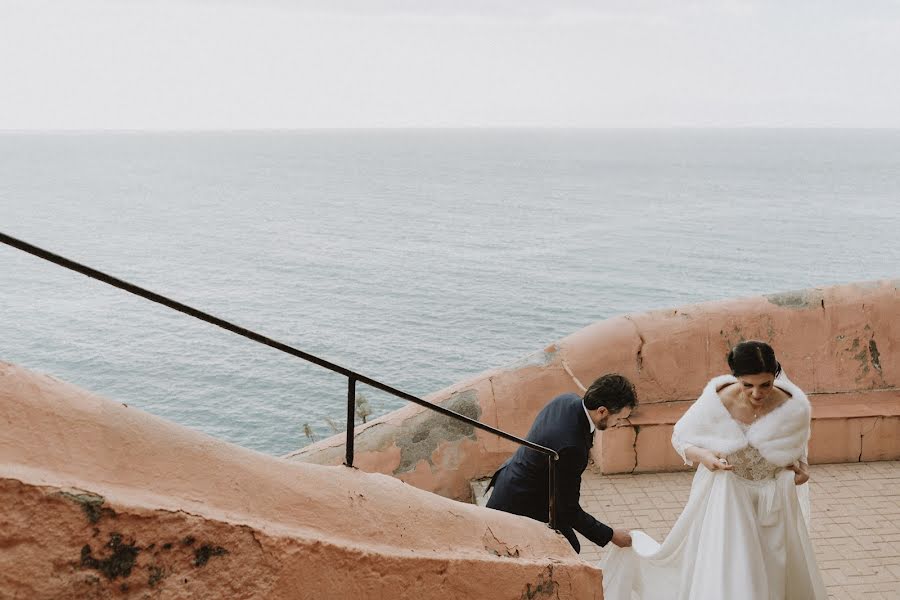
{"x": 521, "y": 485}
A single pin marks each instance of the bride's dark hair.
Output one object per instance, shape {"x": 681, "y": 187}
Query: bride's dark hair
{"x": 753, "y": 357}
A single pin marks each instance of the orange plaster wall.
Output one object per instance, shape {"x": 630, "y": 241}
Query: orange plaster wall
{"x": 101, "y": 500}
{"x": 836, "y": 339}
{"x": 381, "y": 444}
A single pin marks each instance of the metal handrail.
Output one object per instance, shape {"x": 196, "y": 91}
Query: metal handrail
{"x": 352, "y": 376}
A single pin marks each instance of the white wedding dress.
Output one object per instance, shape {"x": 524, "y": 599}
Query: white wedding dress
{"x": 742, "y": 536}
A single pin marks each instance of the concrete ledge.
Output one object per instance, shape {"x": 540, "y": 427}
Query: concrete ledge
{"x": 832, "y": 341}
{"x": 101, "y": 500}
{"x": 846, "y": 427}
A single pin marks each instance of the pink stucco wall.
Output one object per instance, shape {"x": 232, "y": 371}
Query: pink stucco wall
{"x": 101, "y": 500}
{"x": 841, "y": 344}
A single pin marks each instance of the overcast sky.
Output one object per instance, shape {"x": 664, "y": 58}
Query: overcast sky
{"x": 237, "y": 64}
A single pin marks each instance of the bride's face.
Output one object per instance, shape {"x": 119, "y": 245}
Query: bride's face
{"x": 756, "y": 389}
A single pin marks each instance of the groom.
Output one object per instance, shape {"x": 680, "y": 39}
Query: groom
{"x": 567, "y": 425}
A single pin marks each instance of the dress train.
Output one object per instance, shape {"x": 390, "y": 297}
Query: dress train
{"x": 737, "y": 539}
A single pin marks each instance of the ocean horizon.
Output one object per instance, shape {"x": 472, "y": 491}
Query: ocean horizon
{"x": 417, "y": 257}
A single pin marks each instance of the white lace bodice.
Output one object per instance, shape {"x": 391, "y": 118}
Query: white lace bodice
{"x": 749, "y": 464}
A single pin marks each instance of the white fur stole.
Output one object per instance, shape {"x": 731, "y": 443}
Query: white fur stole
{"x": 780, "y": 436}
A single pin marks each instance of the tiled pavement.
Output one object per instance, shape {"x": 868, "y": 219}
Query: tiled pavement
{"x": 855, "y": 525}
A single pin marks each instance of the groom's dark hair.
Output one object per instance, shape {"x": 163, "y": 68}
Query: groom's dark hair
{"x": 613, "y": 391}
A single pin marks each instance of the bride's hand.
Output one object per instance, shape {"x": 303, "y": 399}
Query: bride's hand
{"x": 801, "y": 473}
{"x": 714, "y": 461}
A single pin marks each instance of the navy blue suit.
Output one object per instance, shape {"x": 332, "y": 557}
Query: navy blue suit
{"x": 521, "y": 483}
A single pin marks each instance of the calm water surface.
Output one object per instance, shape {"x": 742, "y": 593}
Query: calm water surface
{"x": 416, "y": 257}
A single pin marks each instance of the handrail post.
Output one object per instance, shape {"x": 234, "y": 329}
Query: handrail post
{"x": 552, "y": 470}
{"x": 351, "y": 418}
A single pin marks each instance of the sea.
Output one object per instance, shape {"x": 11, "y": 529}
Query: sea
{"x": 416, "y": 257}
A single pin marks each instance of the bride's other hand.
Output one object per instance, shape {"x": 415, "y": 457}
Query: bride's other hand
{"x": 714, "y": 461}
{"x": 801, "y": 472}
{"x": 621, "y": 538}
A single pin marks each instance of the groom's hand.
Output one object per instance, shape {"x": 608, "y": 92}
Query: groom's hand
{"x": 621, "y": 538}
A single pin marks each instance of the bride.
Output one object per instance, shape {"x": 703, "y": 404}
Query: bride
{"x": 743, "y": 533}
